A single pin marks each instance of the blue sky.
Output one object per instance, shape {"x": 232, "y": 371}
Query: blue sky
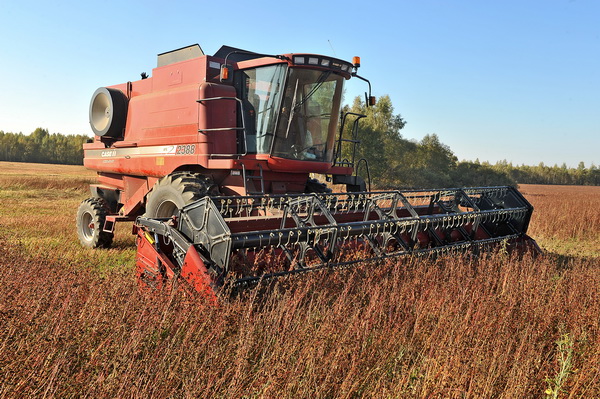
{"x": 495, "y": 80}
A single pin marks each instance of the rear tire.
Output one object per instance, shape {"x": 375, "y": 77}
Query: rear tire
{"x": 175, "y": 191}
{"x": 91, "y": 216}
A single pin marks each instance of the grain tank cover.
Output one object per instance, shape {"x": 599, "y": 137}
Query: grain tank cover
{"x": 182, "y": 54}
{"x": 236, "y": 54}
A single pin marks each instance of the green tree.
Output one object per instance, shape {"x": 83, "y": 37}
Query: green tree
{"x": 395, "y": 162}
{"x": 42, "y": 147}
{"x": 379, "y": 133}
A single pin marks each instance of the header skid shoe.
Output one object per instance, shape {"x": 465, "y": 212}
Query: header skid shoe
{"x": 241, "y": 240}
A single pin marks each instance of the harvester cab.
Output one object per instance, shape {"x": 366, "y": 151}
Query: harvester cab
{"x": 290, "y": 117}
{"x": 212, "y": 157}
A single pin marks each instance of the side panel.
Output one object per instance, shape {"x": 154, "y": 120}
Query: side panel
{"x": 169, "y": 128}
{"x": 217, "y": 120}
{"x": 155, "y": 161}
{"x": 161, "y": 132}
{"x": 165, "y": 117}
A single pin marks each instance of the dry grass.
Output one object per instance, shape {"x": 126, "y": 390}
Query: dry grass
{"x": 18, "y": 175}
{"x": 566, "y": 219}
{"x": 73, "y": 322}
{"x": 38, "y": 207}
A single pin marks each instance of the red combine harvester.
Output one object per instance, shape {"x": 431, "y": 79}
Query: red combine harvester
{"x": 216, "y": 152}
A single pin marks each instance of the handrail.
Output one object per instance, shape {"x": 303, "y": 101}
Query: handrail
{"x": 218, "y": 129}
{"x": 354, "y": 140}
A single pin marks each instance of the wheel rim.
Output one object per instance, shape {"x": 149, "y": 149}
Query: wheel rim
{"x": 87, "y": 226}
{"x": 166, "y": 209}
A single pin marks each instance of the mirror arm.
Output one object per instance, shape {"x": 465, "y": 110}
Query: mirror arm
{"x": 369, "y": 99}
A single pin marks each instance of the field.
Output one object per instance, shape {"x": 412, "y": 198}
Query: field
{"x": 73, "y": 322}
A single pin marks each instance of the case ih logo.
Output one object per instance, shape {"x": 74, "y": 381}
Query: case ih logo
{"x": 109, "y": 153}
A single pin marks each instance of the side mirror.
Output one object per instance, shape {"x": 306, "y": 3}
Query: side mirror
{"x": 369, "y": 100}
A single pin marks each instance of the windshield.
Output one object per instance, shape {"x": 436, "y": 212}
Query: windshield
{"x": 300, "y": 126}
{"x": 260, "y": 91}
{"x": 309, "y": 114}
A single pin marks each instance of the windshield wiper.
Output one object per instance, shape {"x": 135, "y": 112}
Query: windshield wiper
{"x": 317, "y": 86}
{"x": 292, "y": 110}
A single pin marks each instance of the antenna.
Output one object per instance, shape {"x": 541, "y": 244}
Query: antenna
{"x": 330, "y": 45}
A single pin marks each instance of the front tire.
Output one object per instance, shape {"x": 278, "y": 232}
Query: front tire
{"x": 91, "y": 217}
{"x": 175, "y": 191}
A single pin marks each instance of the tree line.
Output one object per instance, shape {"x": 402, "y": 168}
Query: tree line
{"x": 42, "y": 147}
{"x": 543, "y": 174}
{"x": 393, "y": 161}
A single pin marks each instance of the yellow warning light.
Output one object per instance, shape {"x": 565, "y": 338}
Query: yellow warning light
{"x": 224, "y": 72}
{"x": 356, "y": 62}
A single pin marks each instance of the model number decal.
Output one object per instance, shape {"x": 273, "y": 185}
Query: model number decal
{"x": 187, "y": 149}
